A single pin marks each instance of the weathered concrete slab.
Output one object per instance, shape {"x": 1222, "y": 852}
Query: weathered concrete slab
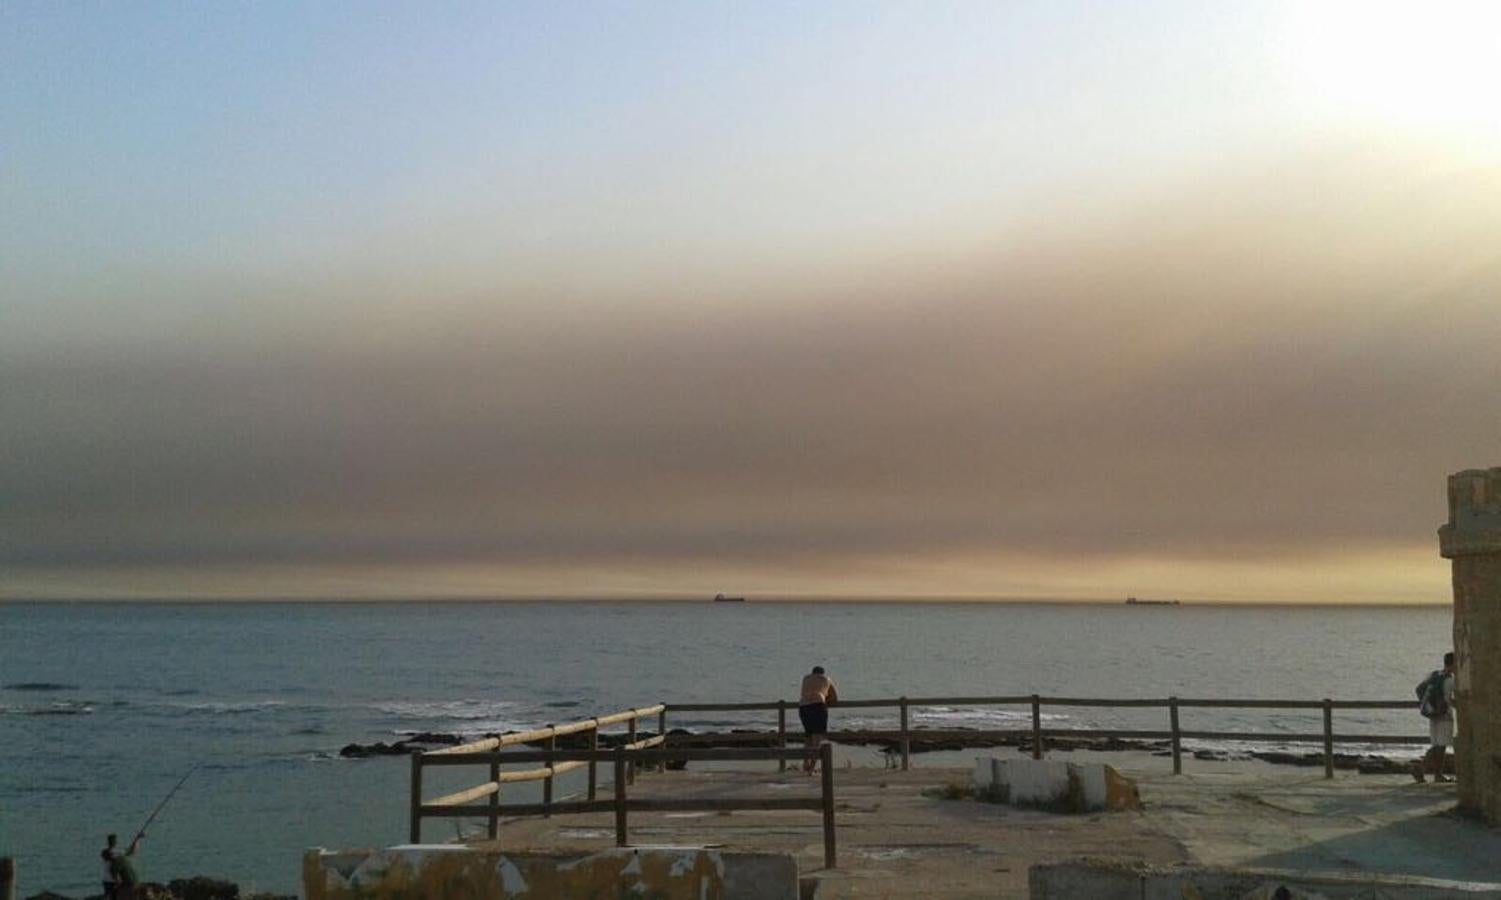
{"x": 916, "y": 834}
{"x": 446, "y": 871}
{"x": 1116, "y": 880}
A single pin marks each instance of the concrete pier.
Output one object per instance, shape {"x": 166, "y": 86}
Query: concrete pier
{"x": 1472, "y": 541}
{"x": 910, "y": 834}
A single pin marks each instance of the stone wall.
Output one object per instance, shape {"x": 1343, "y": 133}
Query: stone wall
{"x": 1472, "y": 540}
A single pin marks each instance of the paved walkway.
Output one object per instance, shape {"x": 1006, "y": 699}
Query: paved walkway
{"x": 897, "y": 838}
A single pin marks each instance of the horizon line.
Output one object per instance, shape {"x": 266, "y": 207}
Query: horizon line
{"x": 770, "y": 599}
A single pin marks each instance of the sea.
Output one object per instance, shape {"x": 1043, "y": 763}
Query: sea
{"x": 104, "y": 707}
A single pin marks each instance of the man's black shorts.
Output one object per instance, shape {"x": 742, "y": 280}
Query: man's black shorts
{"x": 815, "y": 718}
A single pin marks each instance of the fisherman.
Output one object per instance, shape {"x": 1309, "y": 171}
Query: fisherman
{"x": 116, "y": 867}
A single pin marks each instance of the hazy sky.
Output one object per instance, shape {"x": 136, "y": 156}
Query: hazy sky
{"x": 997, "y": 299}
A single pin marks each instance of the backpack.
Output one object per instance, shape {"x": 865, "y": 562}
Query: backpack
{"x": 1432, "y": 704}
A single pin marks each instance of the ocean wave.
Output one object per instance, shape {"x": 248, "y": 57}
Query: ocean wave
{"x": 228, "y": 707}
{"x": 477, "y": 727}
{"x": 947, "y": 716}
{"x": 40, "y": 686}
{"x": 458, "y": 710}
{"x": 51, "y": 789}
{"x": 56, "y": 708}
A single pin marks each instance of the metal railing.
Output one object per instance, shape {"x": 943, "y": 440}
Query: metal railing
{"x": 1175, "y": 733}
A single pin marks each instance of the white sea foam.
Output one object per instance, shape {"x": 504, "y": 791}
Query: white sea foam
{"x": 56, "y": 708}
{"x": 228, "y": 707}
{"x": 467, "y": 710}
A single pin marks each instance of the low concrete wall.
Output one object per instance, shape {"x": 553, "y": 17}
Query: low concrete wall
{"x": 1054, "y": 785}
{"x": 450, "y": 871}
{"x": 1107, "y": 880}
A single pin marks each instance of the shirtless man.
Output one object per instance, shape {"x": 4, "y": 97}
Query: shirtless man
{"x": 817, "y": 695}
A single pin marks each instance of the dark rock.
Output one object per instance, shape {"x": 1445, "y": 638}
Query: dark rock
{"x": 433, "y": 737}
{"x": 200, "y": 888}
{"x": 1380, "y": 765}
{"x": 1278, "y": 757}
{"x": 404, "y": 747}
{"x": 360, "y": 751}
{"x": 48, "y": 895}
{"x": 677, "y": 765}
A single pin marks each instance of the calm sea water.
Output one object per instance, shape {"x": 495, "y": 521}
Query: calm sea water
{"x": 105, "y": 706}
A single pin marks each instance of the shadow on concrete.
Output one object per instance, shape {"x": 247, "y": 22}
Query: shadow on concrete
{"x": 1435, "y": 845}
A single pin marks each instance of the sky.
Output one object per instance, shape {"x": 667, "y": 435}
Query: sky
{"x": 994, "y": 300}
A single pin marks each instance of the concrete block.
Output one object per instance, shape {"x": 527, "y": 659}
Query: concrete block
{"x": 437, "y": 871}
{"x": 1058, "y": 786}
{"x": 1079, "y": 879}
{"x": 1115, "y": 880}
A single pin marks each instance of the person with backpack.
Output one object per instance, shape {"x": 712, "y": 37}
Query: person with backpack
{"x": 1436, "y": 704}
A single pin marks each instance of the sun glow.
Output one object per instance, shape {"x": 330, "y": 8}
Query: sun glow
{"x": 1428, "y": 66}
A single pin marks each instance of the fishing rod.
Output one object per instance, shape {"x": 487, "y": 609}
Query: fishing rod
{"x": 151, "y": 818}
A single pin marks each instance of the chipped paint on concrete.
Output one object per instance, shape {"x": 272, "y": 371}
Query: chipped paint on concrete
{"x": 456, "y": 871}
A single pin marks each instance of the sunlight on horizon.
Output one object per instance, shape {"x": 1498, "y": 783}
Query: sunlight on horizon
{"x": 1025, "y": 299}
{"x": 1432, "y": 67}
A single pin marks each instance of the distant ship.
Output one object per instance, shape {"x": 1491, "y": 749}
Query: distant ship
{"x": 721, "y": 598}
{"x": 1132, "y": 601}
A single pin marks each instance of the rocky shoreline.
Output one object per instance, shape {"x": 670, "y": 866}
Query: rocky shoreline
{"x": 199, "y": 887}
{"x": 1365, "y": 764}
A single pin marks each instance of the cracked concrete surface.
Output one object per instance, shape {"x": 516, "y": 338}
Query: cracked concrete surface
{"x": 895, "y": 839}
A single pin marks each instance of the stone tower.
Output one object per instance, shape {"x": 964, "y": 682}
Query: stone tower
{"x": 1472, "y": 539}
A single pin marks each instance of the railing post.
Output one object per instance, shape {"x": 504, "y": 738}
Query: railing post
{"x": 830, "y": 857}
{"x": 552, "y": 744}
{"x": 493, "y": 823}
{"x": 414, "y": 831}
{"x": 906, "y": 738}
{"x": 662, "y": 733}
{"x": 1036, "y": 727}
{"x": 630, "y": 767}
{"x": 593, "y": 763}
{"x": 620, "y": 835}
{"x": 1172, "y": 706}
{"x": 782, "y": 733}
{"x": 1328, "y": 738}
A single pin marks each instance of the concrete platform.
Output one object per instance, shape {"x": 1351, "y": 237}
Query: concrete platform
{"x": 898, "y": 839}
